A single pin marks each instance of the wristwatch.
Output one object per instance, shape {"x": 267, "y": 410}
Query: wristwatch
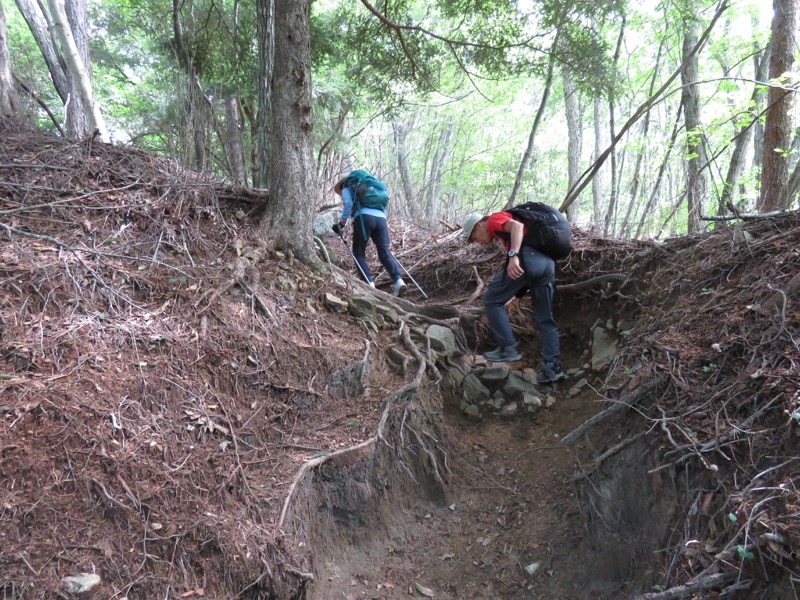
{"x": 512, "y": 253}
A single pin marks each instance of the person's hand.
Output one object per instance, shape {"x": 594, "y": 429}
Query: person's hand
{"x": 338, "y": 228}
{"x": 514, "y": 269}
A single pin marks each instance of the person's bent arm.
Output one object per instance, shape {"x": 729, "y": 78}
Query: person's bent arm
{"x": 516, "y": 230}
{"x": 347, "y": 199}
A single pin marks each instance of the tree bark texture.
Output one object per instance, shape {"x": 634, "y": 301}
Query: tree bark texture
{"x": 9, "y": 102}
{"x": 574, "y": 138}
{"x": 440, "y": 156}
{"x": 37, "y": 23}
{"x": 599, "y": 180}
{"x": 741, "y": 143}
{"x": 192, "y": 128}
{"x": 777, "y": 128}
{"x": 400, "y": 130}
{"x": 265, "y": 10}
{"x": 758, "y": 127}
{"x": 640, "y": 153}
{"x": 290, "y": 169}
{"x": 233, "y": 140}
{"x": 78, "y": 71}
{"x": 651, "y": 202}
{"x": 611, "y": 215}
{"x": 695, "y": 147}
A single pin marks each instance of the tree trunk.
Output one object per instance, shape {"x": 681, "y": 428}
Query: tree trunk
{"x": 38, "y": 25}
{"x": 651, "y": 202}
{"x": 640, "y": 153}
{"x": 599, "y": 180}
{"x": 695, "y": 148}
{"x": 574, "y": 138}
{"x": 742, "y": 141}
{"x": 192, "y": 127}
{"x": 440, "y": 156}
{"x": 777, "y": 128}
{"x": 526, "y": 156}
{"x": 401, "y": 131}
{"x": 233, "y": 140}
{"x": 758, "y": 126}
{"x": 290, "y": 156}
{"x": 611, "y": 218}
{"x": 79, "y": 72}
{"x": 9, "y": 102}
{"x": 42, "y": 22}
{"x": 589, "y": 173}
{"x": 265, "y": 10}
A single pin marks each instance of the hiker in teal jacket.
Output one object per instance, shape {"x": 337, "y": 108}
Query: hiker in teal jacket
{"x": 358, "y": 191}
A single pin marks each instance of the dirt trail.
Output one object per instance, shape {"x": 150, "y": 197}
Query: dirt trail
{"x": 510, "y": 506}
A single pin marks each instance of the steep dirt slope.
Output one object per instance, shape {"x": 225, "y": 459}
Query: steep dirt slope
{"x": 185, "y": 413}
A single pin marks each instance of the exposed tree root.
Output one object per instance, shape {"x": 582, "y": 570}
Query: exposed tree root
{"x": 378, "y": 435}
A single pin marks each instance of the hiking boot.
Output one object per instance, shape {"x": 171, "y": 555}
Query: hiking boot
{"x": 399, "y": 288}
{"x": 550, "y": 372}
{"x": 507, "y": 354}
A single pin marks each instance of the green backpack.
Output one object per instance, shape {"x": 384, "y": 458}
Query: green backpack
{"x": 369, "y": 192}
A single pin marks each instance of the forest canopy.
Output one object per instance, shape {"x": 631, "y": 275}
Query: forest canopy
{"x": 636, "y": 119}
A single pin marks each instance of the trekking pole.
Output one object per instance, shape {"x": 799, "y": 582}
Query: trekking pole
{"x": 411, "y": 278}
{"x": 366, "y": 279}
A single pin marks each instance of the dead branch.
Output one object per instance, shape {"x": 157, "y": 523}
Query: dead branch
{"x": 571, "y": 287}
{"x": 619, "y": 405}
{"x": 683, "y": 591}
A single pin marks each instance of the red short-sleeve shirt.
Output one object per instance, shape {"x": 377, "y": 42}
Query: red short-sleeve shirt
{"x": 495, "y": 225}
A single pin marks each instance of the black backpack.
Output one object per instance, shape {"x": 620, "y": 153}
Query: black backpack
{"x": 547, "y": 230}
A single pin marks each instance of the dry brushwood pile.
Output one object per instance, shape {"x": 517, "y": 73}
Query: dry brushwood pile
{"x": 714, "y": 343}
{"x": 165, "y": 382}
{"x": 153, "y": 414}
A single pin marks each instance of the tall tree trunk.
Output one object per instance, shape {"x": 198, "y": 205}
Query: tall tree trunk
{"x": 742, "y": 141}
{"x": 440, "y": 156}
{"x": 289, "y": 167}
{"x": 599, "y": 180}
{"x": 62, "y": 33}
{"x": 589, "y": 173}
{"x": 651, "y": 202}
{"x": 233, "y": 140}
{"x": 574, "y": 138}
{"x": 526, "y": 156}
{"x": 193, "y": 126}
{"x": 640, "y": 153}
{"x": 695, "y": 147}
{"x": 400, "y": 131}
{"x": 9, "y": 102}
{"x": 78, "y": 19}
{"x": 761, "y": 99}
{"x": 777, "y": 128}
{"x": 37, "y": 23}
{"x": 265, "y": 10}
{"x": 611, "y": 218}
{"x": 79, "y": 72}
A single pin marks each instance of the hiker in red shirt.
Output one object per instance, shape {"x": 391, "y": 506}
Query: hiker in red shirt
{"x": 525, "y": 268}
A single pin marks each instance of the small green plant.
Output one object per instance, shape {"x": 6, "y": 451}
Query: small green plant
{"x": 709, "y": 367}
{"x": 732, "y": 517}
{"x": 629, "y": 371}
{"x": 706, "y": 291}
{"x": 353, "y": 424}
{"x": 744, "y": 552}
{"x": 176, "y": 280}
